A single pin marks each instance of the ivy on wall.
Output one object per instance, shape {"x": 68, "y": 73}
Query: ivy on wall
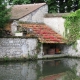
{"x": 72, "y": 27}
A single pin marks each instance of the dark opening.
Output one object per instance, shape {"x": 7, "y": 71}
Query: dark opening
{"x": 50, "y": 49}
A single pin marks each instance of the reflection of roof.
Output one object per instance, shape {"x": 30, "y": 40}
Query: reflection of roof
{"x": 19, "y": 11}
{"x": 53, "y": 77}
{"x": 44, "y": 33}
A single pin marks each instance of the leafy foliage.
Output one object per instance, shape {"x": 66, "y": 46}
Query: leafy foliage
{"x": 4, "y": 17}
{"x": 52, "y": 6}
{"x": 21, "y": 1}
{"x": 37, "y": 1}
{"x": 72, "y": 27}
{"x": 63, "y": 5}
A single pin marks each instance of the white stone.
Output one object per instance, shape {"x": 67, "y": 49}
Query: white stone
{"x": 10, "y": 48}
{"x": 40, "y": 55}
{"x": 10, "y": 41}
{"x": 18, "y": 34}
{"x": 69, "y": 50}
{"x": 14, "y": 27}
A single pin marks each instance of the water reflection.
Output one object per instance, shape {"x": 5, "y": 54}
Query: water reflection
{"x": 33, "y": 70}
{"x": 18, "y": 71}
{"x": 54, "y": 67}
{"x": 73, "y": 63}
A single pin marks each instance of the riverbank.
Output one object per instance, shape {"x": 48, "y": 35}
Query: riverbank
{"x": 45, "y": 57}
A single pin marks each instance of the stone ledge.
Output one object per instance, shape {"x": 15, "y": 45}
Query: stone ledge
{"x": 6, "y": 59}
{"x": 56, "y": 15}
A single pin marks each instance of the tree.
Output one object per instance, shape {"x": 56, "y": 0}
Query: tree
{"x": 4, "y": 16}
{"x": 60, "y": 6}
{"x": 52, "y": 5}
{"x": 25, "y": 1}
{"x": 37, "y": 1}
{"x": 21, "y": 1}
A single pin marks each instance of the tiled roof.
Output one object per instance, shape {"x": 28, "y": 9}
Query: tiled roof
{"x": 19, "y": 11}
{"x": 44, "y": 33}
{"x": 8, "y": 26}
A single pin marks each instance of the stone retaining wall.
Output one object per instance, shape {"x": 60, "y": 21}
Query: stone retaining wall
{"x": 71, "y": 51}
{"x": 17, "y": 47}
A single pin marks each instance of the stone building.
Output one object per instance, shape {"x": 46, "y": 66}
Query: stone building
{"x": 43, "y": 40}
{"x": 31, "y": 13}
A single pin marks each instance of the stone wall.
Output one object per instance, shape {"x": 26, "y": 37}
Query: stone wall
{"x": 56, "y": 23}
{"x": 17, "y": 47}
{"x": 71, "y": 51}
{"x": 36, "y": 16}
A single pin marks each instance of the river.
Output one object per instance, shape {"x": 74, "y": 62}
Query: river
{"x": 34, "y": 70}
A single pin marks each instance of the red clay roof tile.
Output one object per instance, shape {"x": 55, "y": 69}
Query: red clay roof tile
{"x": 44, "y": 33}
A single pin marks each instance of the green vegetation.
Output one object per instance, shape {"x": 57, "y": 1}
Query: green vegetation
{"x": 63, "y": 6}
{"x": 21, "y": 1}
{"x": 38, "y": 47}
{"x": 72, "y": 27}
{"x": 52, "y": 6}
{"x": 4, "y": 16}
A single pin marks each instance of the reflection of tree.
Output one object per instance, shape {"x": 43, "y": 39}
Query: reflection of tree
{"x": 71, "y": 75}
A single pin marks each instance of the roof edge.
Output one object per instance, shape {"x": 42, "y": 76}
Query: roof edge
{"x": 49, "y": 15}
{"x": 30, "y": 12}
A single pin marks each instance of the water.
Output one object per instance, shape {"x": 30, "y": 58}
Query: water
{"x": 33, "y": 70}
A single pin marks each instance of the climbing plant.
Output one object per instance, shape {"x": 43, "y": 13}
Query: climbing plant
{"x": 72, "y": 27}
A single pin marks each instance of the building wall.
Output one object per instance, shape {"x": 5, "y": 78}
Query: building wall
{"x": 17, "y": 47}
{"x": 56, "y": 23}
{"x": 71, "y": 51}
{"x": 36, "y": 16}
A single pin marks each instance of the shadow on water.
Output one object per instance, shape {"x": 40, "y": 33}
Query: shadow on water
{"x": 33, "y": 70}
{"x": 54, "y": 67}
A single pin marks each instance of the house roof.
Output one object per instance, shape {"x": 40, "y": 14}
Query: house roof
{"x": 19, "y": 11}
{"x": 44, "y": 33}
